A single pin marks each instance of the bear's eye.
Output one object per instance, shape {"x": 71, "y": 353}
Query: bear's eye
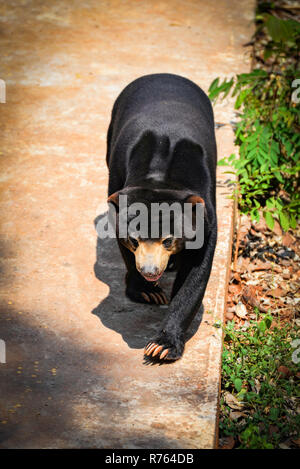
{"x": 167, "y": 242}
{"x": 133, "y": 241}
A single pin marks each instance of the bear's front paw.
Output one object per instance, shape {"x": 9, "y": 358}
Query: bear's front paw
{"x": 145, "y": 292}
{"x": 165, "y": 346}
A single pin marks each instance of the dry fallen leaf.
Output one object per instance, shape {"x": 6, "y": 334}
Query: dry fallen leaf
{"x": 242, "y": 264}
{"x": 235, "y": 289}
{"x": 297, "y": 442}
{"x": 276, "y": 292}
{"x": 241, "y": 310}
{"x": 229, "y": 316}
{"x": 237, "y": 415}
{"x": 288, "y": 240}
{"x": 284, "y": 371}
{"x": 260, "y": 226}
{"x": 227, "y": 442}
{"x": 277, "y": 229}
{"x": 232, "y": 401}
{"x": 249, "y": 296}
{"x": 284, "y": 445}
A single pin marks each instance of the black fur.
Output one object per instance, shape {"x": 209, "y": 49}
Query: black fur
{"x": 161, "y": 147}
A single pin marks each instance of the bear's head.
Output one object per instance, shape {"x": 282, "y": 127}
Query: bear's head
{"x": 155, "y": 224}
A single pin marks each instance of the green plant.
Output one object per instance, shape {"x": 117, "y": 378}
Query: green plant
{"x": 283, "y": 35}
{"x": 267, "y": 132}
{"x": 268, "y": 412}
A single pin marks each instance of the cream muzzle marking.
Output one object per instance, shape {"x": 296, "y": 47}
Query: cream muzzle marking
{"x": 152, "y": 256}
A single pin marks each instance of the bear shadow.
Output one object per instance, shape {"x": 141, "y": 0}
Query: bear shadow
{"x": 136, "y": 322}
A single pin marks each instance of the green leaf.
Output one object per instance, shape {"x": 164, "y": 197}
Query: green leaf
{"x": 281, "y": 30}
{"x": 213, "y": 89}
{"x": 274, "y": 413}
{"x": 213, "y": 85}
{"x": 269, "y": 220}
{"x": 278, "y": 176}
{"x": 293, "y": 222}
{"x": 284, "y": 221}
{"x": 268, "y": 321}
{"x": 262, "y": 326}
{"x": 238, "y": 383}
{"x": 223, "y": 162}
{"x": 241, "y": 98}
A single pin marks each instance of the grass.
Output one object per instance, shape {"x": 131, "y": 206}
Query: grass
{"x": 260, "y": 389}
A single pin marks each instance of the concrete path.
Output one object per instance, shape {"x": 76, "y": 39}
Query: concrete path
{"x": 74, "y": 374}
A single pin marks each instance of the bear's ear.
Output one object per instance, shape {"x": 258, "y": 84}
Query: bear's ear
{"x": 114, "y": 199}
{"x": 195, "y": 199}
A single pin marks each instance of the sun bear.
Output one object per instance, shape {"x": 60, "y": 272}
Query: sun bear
{"x": 161, "y": 149}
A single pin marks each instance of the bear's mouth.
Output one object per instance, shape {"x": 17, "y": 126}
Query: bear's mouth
{"x": 152, "y": 278}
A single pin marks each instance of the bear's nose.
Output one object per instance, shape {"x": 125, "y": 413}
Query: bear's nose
{"x": 150, "y": 270}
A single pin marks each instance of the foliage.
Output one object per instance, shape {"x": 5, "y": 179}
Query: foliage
{"x": 260, "y": 394}
{"x": 267, "y": 132}
{"x": 283, "y": 40}
{"x": 251, "y": 358}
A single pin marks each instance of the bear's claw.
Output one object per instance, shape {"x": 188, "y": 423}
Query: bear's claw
{"x": 166, "y": 346}
{"x": 153, "y": 349}
{"x": 151, "y": 294}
